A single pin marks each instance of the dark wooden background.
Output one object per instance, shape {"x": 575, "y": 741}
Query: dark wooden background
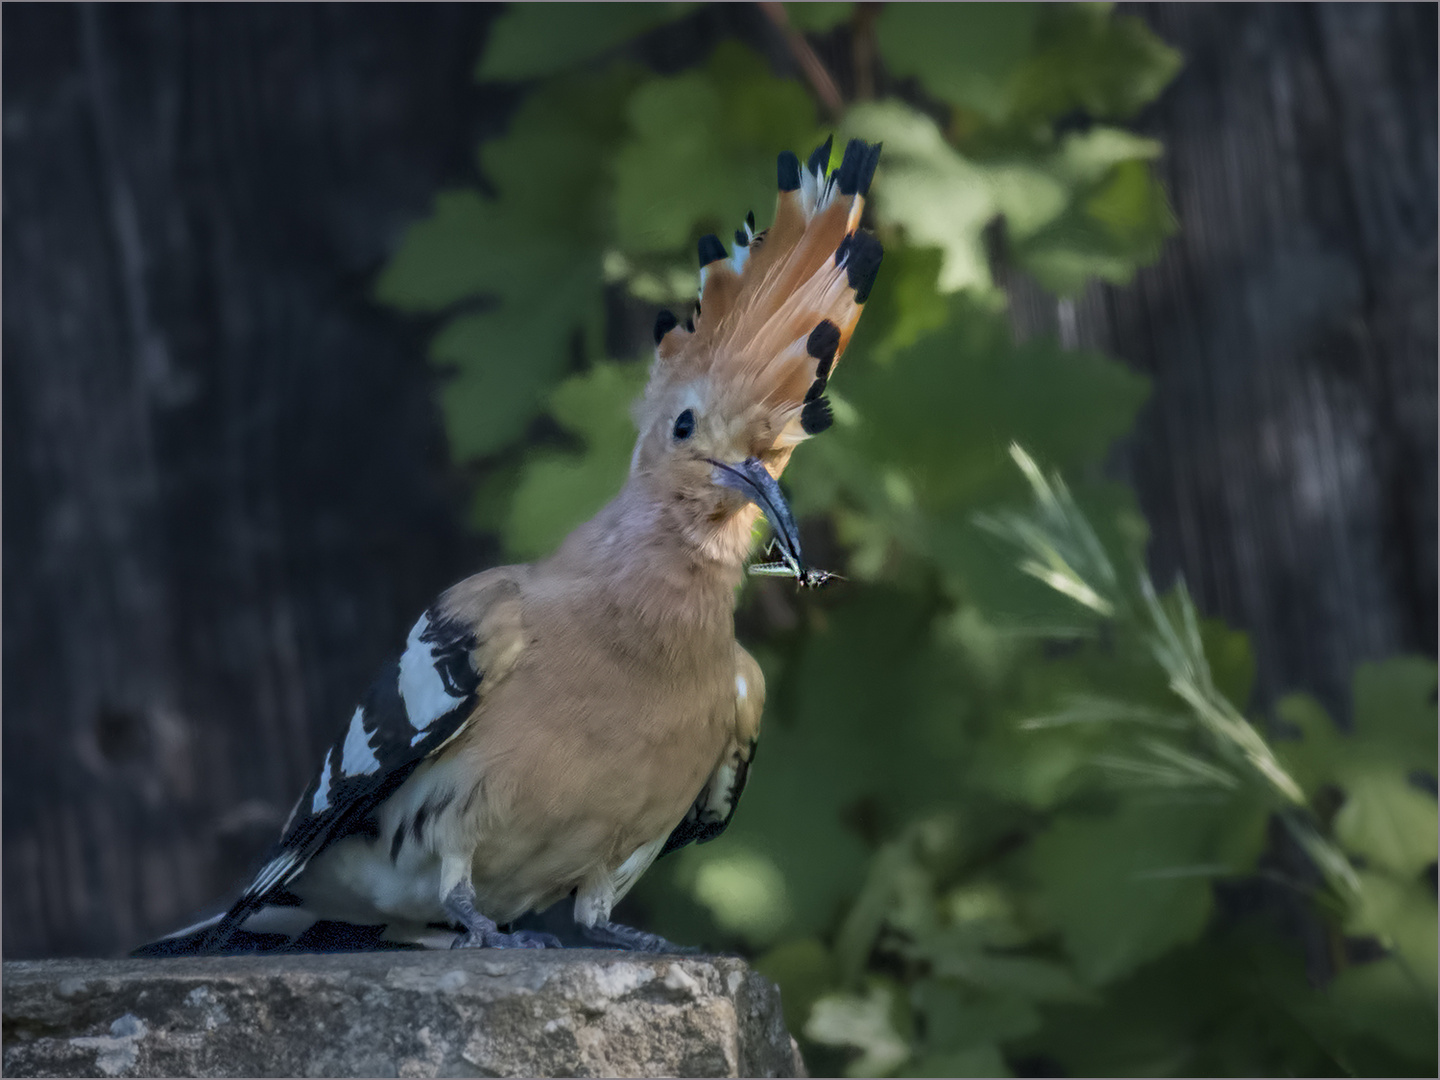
{"x": 225, "y": 486}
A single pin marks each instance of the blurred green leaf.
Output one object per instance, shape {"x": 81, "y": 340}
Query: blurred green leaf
{"x": 818, "y": 15}
{"x": 978, "y": 1061}
{"x": 957, "y": 1018}
{"x": 867, "y": 1023}
{"x": 1126, "y": 887}
{"x": 714, "y": 132}
{"x": 1401, "y": 913}
{"x": 1087, "y": 157}
{"x": 1120, "y": 227}
{"x": 943, "y": 412}
{"x": 1379, "y": 1000}
{"x": 746, "y": 892}
{"x": 558, "y": 491}
{"x": 441, "y": 260}
{"x": 937, "y": 197}
{"x": 1395, "y": 711}
{"x": 806, "y": 971}
{"x": 535, "y": 39}
{"x": 1388, "y": 820}
{"x": 1385, "y": 817}
{"x": 968, "y": 54}
{"x": 535, "y": 251}
{"x": 1086, "y": 58}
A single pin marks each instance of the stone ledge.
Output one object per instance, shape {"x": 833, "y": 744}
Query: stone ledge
{"x": 470, "y": 1013}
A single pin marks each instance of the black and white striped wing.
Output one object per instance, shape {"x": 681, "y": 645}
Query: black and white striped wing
{"x": 417, "y": 705}
{"x": 715, "y": 805}
{"x": 713, "y": 808}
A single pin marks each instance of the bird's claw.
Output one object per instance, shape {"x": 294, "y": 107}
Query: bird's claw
{"x": 609, "y": 935}
{"x": 494, "y": 939}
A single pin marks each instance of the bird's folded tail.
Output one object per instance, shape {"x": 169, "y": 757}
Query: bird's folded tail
{"x": 279, "y": 929}
{"x": 775, "y": 316}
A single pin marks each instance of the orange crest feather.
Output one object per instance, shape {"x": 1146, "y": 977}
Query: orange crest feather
{"x": 774, "y": 318}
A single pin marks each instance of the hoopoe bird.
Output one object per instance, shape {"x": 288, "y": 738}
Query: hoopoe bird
{"x": 552, "y": 728}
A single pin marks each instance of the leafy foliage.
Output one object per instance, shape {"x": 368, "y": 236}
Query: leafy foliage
{"x": 1004, "y": 783}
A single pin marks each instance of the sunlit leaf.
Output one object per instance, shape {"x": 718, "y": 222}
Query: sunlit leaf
{"x": 866, "y": 1023}
{"x": 1401, "y": 913}
{"x": 746, "y": 892}
{"x": 937, "y": 197}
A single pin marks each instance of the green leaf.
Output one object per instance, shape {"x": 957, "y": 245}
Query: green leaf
{"x": 944, "y": 411}
{"x": 818, "y": 16}
{"x": 745, "y": 891}
{"x": 1232, "y": 661}
{"x": 967, "y": 54}
{"x": 506, "y": 360}
{"x": 1380, "y": 1000}
{"x": 905, "y": 305}
{"x": 1086, "y": 58}
{"x": 976, "y": 1061}
{"x": 959, "y": 1018}
{"x": 1126, "y": 887}
{"x": 1401, "y": 914}
{"x": 557, "y": 491}
{"x": 867, "y": 1023}
{"x": 939, "y": 198}
{"x": 441, "y": 258}
{"x": 1313, "y": 757}
{"x": 1226, "y": 1006}
{"x": 1395, "y": 710}
{"x": 964, "y": 958}
{"x": 1133, "y": 208}
{"x": 804, "y": 971}
{"x": 535, "y": 39}
{"x": 535, "y": 252}
{"x": 872, "y": 657}
{"x": 1119, "y": 227}
{"x": 1387, "y": 819}
{"x": 713, "y": 135}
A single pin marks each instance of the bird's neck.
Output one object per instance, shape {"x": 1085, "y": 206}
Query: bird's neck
{"x": 656, "y": 566}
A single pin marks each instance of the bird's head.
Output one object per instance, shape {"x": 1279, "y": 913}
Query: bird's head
{"x": 737, "y": 387}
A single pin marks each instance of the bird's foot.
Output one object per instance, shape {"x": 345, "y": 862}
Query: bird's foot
{"x": 609, "y": 935}
{"x": 482, "y": 933}
{"x": 494, "y": 939}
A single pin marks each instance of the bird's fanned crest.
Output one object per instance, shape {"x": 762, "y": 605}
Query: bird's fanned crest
{"x": 774, "y": 317}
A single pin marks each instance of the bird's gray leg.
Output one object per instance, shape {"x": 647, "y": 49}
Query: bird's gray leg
{"x": 610, "y": 935}
{"x": 482, "y": 933}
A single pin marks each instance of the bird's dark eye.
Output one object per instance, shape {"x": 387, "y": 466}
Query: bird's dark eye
{"x": 684, "y": 425}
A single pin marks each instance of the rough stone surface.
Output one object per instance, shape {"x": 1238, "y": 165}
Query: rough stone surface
{"x": 572, "y": 1013}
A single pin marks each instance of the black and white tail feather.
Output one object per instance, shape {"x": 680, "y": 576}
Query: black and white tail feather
{"x": 417, "y": 705}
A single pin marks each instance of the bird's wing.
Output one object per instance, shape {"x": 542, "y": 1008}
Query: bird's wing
{"x": 458, "y": 650}
{"x": 715, "y": 805}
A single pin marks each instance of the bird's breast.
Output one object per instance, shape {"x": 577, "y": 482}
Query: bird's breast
{"x": 589, "y": 751}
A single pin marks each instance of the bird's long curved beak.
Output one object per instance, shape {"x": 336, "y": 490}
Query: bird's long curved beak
{"x": 753, "y": 480}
